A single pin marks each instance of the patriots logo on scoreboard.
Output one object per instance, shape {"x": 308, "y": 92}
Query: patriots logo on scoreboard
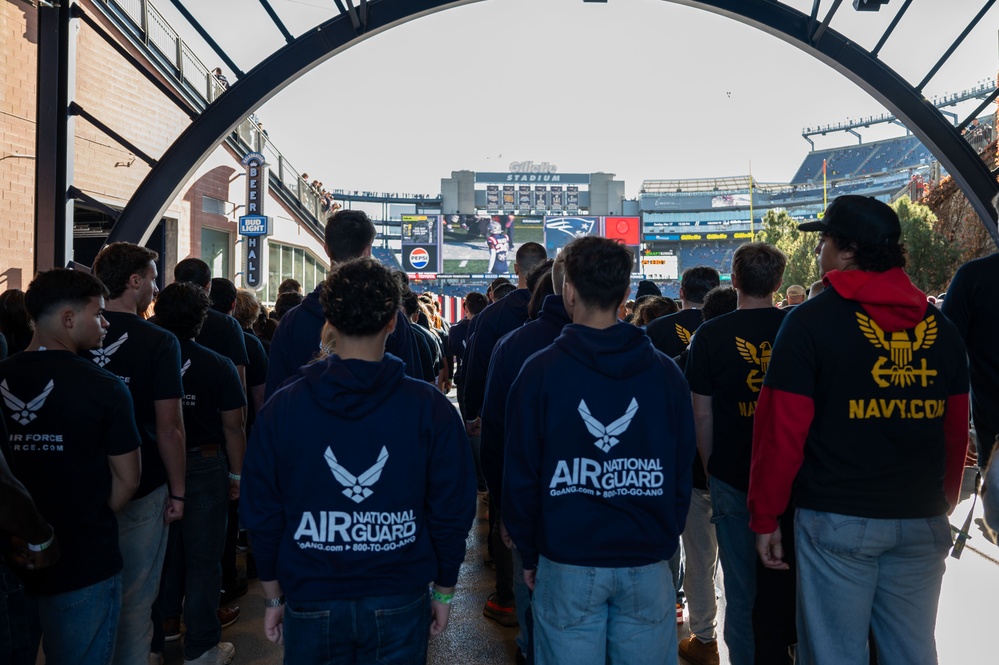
{"x": 577, "y": 227}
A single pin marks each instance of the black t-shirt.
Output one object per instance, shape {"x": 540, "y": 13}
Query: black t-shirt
{"x": 65, "y": 417}
{"x": 256, "y": 370}
{"x": 147, "y": 359}
{"x": 876, "y": 447}
{"x": 671, "y": 333}
{"x": 221, "y": 333}
{"x": 970, "y": 305}
{"x": 728, "y": 359}
{"x": 211, "y": 385}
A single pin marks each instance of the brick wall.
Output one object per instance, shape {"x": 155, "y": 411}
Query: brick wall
{"x": 18, "y": 29}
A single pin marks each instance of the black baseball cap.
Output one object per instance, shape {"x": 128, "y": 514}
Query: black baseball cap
{"x": 860, "y": 218}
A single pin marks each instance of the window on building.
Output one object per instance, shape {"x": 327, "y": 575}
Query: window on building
{"x": 216, "y": 247}
{"x": 288, "y": 261}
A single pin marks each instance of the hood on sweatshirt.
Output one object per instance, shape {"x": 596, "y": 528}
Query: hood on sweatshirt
{"x": 352, "y": 389}
{"x": 889, "y": 297}
{"x": 617, "y": 352}
{"x": 553, "y": 309}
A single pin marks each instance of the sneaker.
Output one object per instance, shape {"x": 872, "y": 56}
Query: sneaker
{"x": 504, "y": 615}
{"x": 220, "y": 654}
{"x": 679, "y": 614}
{"x": 171, "y": 629}
{"x": 697, "y": 652}
{"x": 233, "y": 590}
{"x": 227, "y": 617}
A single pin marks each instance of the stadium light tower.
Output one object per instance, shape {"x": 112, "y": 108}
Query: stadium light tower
{"x": 868, "y": 5}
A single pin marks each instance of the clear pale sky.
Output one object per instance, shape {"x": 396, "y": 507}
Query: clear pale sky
{"x": 640, "y": 88}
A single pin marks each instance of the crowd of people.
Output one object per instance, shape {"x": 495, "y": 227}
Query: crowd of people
{"x": 623, "y": 455}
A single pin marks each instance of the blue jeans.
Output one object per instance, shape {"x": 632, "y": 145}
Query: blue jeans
{"x": 855, "y": 573}
{"x": 522, "y": 598}
{"x": 593, "y": 616}
{"x": 79, "y": 627}
{"x": 142, "y": 538}
{"x": 19, "y": 627}
{"x": 737, "y": 552}
{"x": 392, "y": 630}
{"x": 192, "y": 573}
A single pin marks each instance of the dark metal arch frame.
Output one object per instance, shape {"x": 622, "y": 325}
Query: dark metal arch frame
{"x": 355, "y": 24}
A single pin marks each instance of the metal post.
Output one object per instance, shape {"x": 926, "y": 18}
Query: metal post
{"x": 53, "y": 132}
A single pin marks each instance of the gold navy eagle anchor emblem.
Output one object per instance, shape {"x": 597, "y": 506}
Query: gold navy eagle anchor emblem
{"x": 901, "y": 348}
{"x": 683, "y": 335}
{"x": 756, "y": 356}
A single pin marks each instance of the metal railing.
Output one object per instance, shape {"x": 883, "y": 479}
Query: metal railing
{"x": 178, "y": 62}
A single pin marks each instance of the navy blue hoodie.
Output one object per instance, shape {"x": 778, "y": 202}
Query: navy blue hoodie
{"x": 508, "y": 358}
{"x": 300, "y": 331}
{"x": 496, "y": 320}
{"x": 358, "y": 482}
{"x": 599, "y": 447}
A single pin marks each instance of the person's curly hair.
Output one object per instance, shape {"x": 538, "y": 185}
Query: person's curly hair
{"x": 653, "y": 307}
{"x": 181, "y": 308}
{"x": 360, "y": 297}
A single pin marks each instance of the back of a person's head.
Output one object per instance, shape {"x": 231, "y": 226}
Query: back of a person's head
{"x": 757, "y": 269}
{"x": 360, "y": 297}
{"x": 60, "y": 287}
{"x": 599, "y": 270}
{"x": 869, "y": 228}
{"x": 15, "y": 323}
{"x": 719, "y": 300}
{"x": 503, "y": 290}
{"x": 535, "y": 274}
{"x": 653, "y": 307}
{"x": 529, "y": 255}
{"x": 247, "y": 307}
{"x": 223, "y": 294}
{"x": 348, "y": 235}
{"x": 286, "y": 301}
{"x": 290, "y": 286}
{"x": 542, "y": 289}
{"x": 194, "y": 271}
{"x": 117, "y": 262}
{"x": 475, "y": 302}
{"x": 697, "y": 281}
{"x": 410, "y": 303}
{"x": 181, "y": 308}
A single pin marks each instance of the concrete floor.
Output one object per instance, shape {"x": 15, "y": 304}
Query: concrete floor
{"x": 969, "y": 604}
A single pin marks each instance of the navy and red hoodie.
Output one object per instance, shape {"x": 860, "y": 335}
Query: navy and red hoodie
{"x": 599, "y": 447}
{"x": 358, "y": 482}
{"x": 864, "y": 408}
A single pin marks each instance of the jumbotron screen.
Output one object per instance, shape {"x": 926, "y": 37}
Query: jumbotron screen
{"x": 483, "y": 246}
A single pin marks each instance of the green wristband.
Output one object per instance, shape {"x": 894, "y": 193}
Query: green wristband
{"x": 442, "y": 598}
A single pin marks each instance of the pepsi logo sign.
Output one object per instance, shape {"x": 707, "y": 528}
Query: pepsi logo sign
{"x": 419, "y": 258}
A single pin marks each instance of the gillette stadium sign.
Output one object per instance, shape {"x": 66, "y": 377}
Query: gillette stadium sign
{"x": 524, "y": 172}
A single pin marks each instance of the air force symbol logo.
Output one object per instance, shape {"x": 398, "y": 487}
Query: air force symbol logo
{"x": 607, "y": 436}
{"x": 24, "y": 413}
{"x": 357, "y": 487}
{"x": 103, "y": 356}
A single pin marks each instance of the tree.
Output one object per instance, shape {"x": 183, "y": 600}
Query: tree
{"x": 931, "y": 259}
{"x": 781, "y": 231}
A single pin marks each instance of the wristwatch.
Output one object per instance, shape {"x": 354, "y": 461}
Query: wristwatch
{"x": 274, "y": 602}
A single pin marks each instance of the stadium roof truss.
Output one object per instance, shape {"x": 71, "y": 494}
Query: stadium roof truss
{"x": 357, "y": 20}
